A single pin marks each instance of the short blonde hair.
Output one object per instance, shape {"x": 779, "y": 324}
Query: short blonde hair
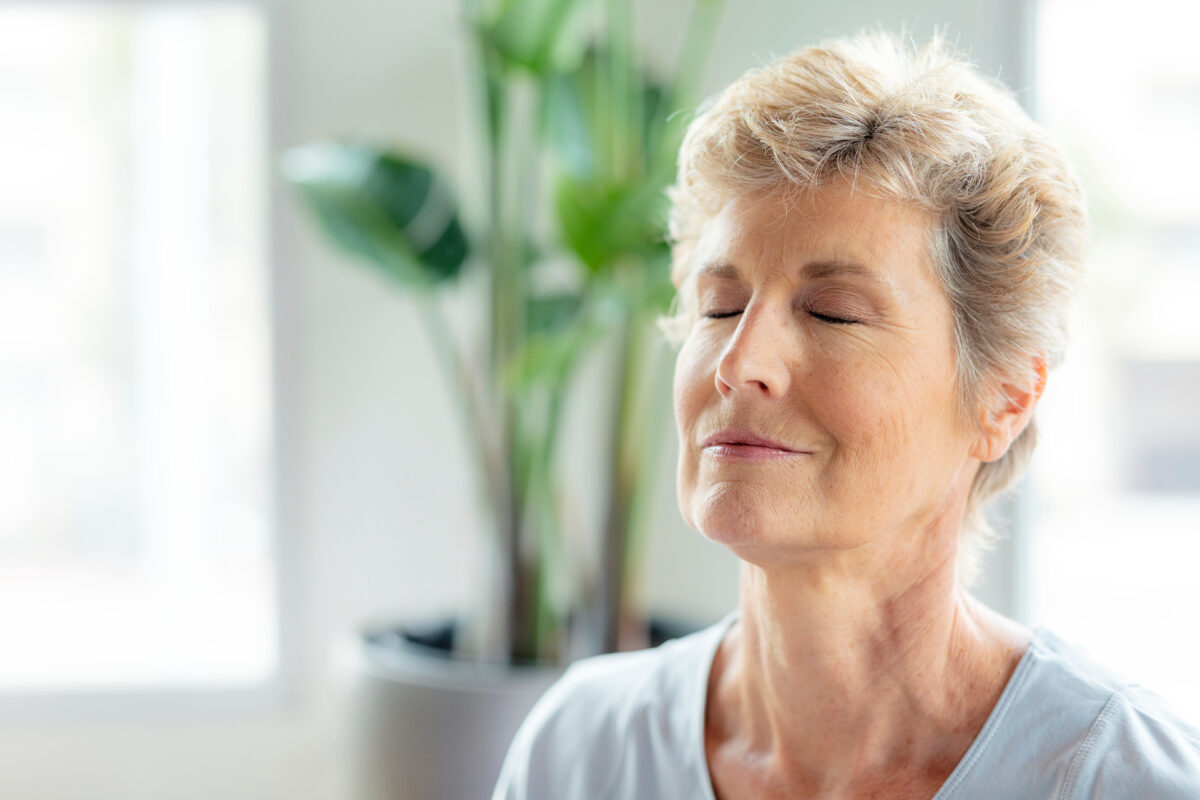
{"x": 918, "y": 125}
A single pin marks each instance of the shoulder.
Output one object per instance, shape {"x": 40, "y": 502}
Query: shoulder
{"x": 1081, "y": 730}
{"x": 1136, "y": 747}
{"x": 607, "y": 715}
{"x": 596, "y": 703}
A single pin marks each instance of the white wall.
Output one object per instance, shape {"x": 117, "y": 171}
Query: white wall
{"x": 374, "y": 521}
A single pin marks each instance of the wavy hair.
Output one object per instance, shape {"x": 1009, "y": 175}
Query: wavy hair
{"x": 919, "y": 125}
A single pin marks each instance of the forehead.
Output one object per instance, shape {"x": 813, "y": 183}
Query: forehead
{"x": 832, "y": 229}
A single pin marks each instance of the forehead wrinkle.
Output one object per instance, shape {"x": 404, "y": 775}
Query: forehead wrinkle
{"x": 794, "y": 226}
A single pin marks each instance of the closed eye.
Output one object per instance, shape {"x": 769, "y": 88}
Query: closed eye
{"x": 822, "y": 317}
{"x": 832, "y": 320}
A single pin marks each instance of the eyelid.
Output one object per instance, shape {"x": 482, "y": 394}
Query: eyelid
{"x": 832, "y": 320}
{"x": 838, "y": 306}
{"x": 848, "y": 311}
{"x": 721, "y": 314}
{"x": 722, "y": 300}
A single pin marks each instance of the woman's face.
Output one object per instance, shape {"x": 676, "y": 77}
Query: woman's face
{"x": 815, "y": 392}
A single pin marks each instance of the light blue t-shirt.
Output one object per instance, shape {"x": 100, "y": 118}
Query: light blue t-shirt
{"x": 626, "y": 726}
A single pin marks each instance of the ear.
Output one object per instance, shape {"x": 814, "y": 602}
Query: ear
{"x": 1010, "y": 411}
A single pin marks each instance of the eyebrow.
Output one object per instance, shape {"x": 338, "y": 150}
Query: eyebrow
{"x": 813, "y": 270}
{"x": 720, "y": 270}
{"x": 832, "y": 268}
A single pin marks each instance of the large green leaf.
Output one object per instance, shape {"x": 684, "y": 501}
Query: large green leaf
{"x": 604, "y": 224}
{"x": 602, "y": 127}
{"x": 383, "y": 207}
{"x": 531, "y": 34}
{"x": 609, "y": 129}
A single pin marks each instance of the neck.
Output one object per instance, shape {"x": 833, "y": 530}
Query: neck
{"x": 839, "y": 671}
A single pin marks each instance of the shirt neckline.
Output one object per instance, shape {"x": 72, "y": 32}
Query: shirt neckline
{"x": 974, "y": 753}
{"x": 701, "y": 702}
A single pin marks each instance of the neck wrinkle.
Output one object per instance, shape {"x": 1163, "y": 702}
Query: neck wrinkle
{"x": 833, "y": 673}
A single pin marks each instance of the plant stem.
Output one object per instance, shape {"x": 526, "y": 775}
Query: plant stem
{"x": 513, "y": 167}
{"x": 621, "y": 486}
{"x": 511, "y": 581}
{"x": 652, "y": 418}
{"x": 459, "y": 379}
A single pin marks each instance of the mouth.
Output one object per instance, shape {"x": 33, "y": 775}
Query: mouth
{"x": 742, "y": 444}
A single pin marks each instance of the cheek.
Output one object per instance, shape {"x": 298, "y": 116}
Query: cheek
{"x": 692, "y": 390}
{"x": 883, "y": 411}
{"x": 858, "y": 400}
{"x": 693, "y": 382}
{"x": 896, "y": 428}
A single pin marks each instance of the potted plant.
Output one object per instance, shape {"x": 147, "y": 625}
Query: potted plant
{"x": 579, "y": 144}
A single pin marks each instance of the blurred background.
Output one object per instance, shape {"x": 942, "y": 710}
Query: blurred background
{"x": 212, "y": 472}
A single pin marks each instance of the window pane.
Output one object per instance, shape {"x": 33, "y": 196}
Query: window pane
{"x": 134, "y": 363}
{"x": 1117, "y": 478}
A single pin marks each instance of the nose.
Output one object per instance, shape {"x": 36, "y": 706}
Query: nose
{"x": 756, "y": 357}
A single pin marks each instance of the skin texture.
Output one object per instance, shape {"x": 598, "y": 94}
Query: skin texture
{"x": 858, "y": 667}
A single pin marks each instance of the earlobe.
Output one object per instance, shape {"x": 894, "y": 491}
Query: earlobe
{"x": 1008, "y": 413}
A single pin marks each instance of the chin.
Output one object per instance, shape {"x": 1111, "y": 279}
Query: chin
{"x": 753, "y": 543}
{"x": 730, "y": 516}
{"x": 732, "y": 531}
{"x": 760, "y": 532}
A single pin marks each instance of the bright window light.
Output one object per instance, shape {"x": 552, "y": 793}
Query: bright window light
{"x": 1115, "y": 544}
{"x": 135, "y": 414}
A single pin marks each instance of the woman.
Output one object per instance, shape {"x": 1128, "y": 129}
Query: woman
{"x": 874, "y": 247}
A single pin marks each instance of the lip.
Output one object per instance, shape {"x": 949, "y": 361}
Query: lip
{"x": 743, "y": 444}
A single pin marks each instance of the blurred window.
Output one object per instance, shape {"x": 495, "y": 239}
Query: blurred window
{"x": 135, "y": 413}
{"x": 1115, "y": 541}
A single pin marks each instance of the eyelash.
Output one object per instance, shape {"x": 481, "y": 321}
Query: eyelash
{"x": 833, "y": 320}
{"x": 822, "y": 317}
